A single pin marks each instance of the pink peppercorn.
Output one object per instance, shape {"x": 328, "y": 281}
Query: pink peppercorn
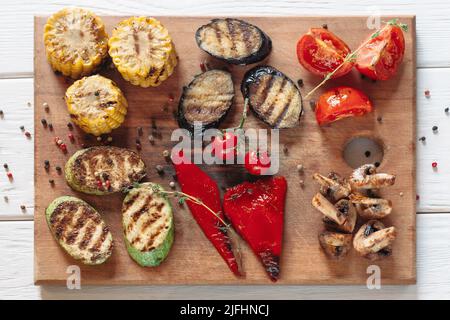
{"x": 10, "y": 175}
{"x": 434, "y": 164}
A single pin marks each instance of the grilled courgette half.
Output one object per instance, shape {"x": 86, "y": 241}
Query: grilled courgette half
{"x": 79, "y": 230}
{"x": 206, "y": 100}
{"x": 104, "y": 170}
{"x": 76, "y": 42}
{"x": 272, "y": 96}
{"x": 96, "y": 104}
{"x": 234, "y": 41}
{"x": 148, "y": 226}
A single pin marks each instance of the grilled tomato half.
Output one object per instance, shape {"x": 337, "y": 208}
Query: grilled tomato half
{"x": 341, "y": 102}
{"x": 380, "y": 58}
{"x": 319, "y": 51}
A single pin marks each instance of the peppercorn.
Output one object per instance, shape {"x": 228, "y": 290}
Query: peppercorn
{"x": 379, "y": 119}
{"x": 137, "y": 141}
{"x": 285, "y": 150}
{"x": 434, "y": 164}
{"x": 9, "y": 175}
{"x": 27, "y": 134}
{"x": 312, "y": 105}
{"x": 376, "y": 164}
{"x": 22, "y": 207}
{"x": 417, "y": 197}
{"x": 70, "y": 125}
{"x": 5, "y": 165}
{"x": 22, "y": 128}
{"x": 447, "y": 110}
{"x": 300, "y": 83}
{"x": 159, "y": 168}
{"x": 1, "y": 113}
{"x": 427, "y": 93}
{"x": 422, "y": 139}
{"x": 44, "y": 122}
{"x": 46, "y": 164}
{"x": 58, "y": 168}
{"x": 367, "y": 153}
{"x": 97, "y": 93}
{"x": 50, "y": 126}
{"x": 51, "y": 181}
{"x": 325, "y": 26}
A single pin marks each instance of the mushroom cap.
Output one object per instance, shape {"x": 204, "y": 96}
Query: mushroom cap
{"x": 371, "y": 208}
{"x": 365, "y": 177}
{"x": 333, "y": 187}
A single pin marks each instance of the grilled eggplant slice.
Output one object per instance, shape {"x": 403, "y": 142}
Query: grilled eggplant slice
{"x": 234, "y": 41}
{"x": 79, "y": 230}
{"x": 272, "y": 96}
{"x": 206, "y": 100}
{"x": 148, "y": 226}
{"x": 103, "y": 170}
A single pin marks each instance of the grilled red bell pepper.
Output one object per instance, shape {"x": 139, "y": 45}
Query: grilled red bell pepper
{"x": 256, "y": 211}
{"x": 198, "y": 184}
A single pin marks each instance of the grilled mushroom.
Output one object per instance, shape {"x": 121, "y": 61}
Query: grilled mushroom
{"x": 365, "y": 177}
{"x": 373, "y": 240}
{"x": 234, "y": 41}
{"x": 335, "y": 245}
{"x": 341, "y": 216}
{"x": 333, "y": 187}
{"x": 371, "y": 208}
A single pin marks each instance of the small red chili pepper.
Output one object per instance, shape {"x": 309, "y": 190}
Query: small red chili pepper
{"x": 434, "y": 164}
{"x": 257, "y": 163}
{"x": 224, "y": 147}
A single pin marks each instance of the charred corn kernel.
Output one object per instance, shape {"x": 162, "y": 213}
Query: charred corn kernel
{"x": 75, "y": 42}
{"x": 96, "y": 104}
{"x": 142, "y": 50}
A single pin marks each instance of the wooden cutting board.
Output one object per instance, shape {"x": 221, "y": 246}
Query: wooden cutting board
{"x": 193, "y": 260}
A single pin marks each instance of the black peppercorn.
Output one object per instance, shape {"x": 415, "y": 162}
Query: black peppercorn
{"x": 22, "y": 128}
{"x": 367, "y": 153}
{"x": 435, "y": 128}
{"x": 422, "y": 139}
{"x": 300, "y": 83}
{"x": 5, "y": 165}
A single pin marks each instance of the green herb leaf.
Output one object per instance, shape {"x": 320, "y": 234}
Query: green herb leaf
{"x": 182, "y": 200}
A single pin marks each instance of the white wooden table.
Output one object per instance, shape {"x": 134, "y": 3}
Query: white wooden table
{"x": 433, "y": 208}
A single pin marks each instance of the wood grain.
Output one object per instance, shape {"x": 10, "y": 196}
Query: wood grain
{"x": 318, "y": 149}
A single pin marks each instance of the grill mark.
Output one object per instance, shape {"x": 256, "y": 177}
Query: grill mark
{"x": 130, "y": 202}
{"x": 79, "y": 224}
{"x": 136, "y": 42}
{"x": 150, "y": 242}
{"x": 265, "y": 92}
{"x": 100, "y": 240}
{"x": 246, "y": 34}
{"x": 287, "y": 105}
{"x": 269, "y": 110}
{"x": 215, "y": 27}
{"x": 89, "y": 232}
{"x": 232, "y": 35}
{"x": 135, "y": 216}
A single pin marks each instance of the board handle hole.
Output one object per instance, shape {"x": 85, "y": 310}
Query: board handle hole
{"x": 361, "y": 150}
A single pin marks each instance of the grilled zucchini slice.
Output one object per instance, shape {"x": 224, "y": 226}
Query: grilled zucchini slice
{"x": 206, "y": 100}
{"x": 234, "y": 41}
{"x": 103, "y": 170}
{"x": 148, "y": 226}
{"x": 142, "y": 50}
{"x": 75, "y": 41}
{"x": 79, "y": 230}
{"x": 272, "y": 96}
{"x": 96, "y": 104}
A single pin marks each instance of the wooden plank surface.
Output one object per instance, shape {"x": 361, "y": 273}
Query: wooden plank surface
{"x": 302, "y": 261}
{"x": 433, "y": 280}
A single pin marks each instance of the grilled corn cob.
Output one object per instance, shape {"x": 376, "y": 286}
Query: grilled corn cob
{"x": 96, "y": 104}
{"x": 75, "y": 42}
{"x": 142, "y": 50}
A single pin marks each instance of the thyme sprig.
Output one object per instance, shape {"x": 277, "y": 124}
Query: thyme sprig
{"x": 183, "y": 197}
{"x": 351, "y": 57}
